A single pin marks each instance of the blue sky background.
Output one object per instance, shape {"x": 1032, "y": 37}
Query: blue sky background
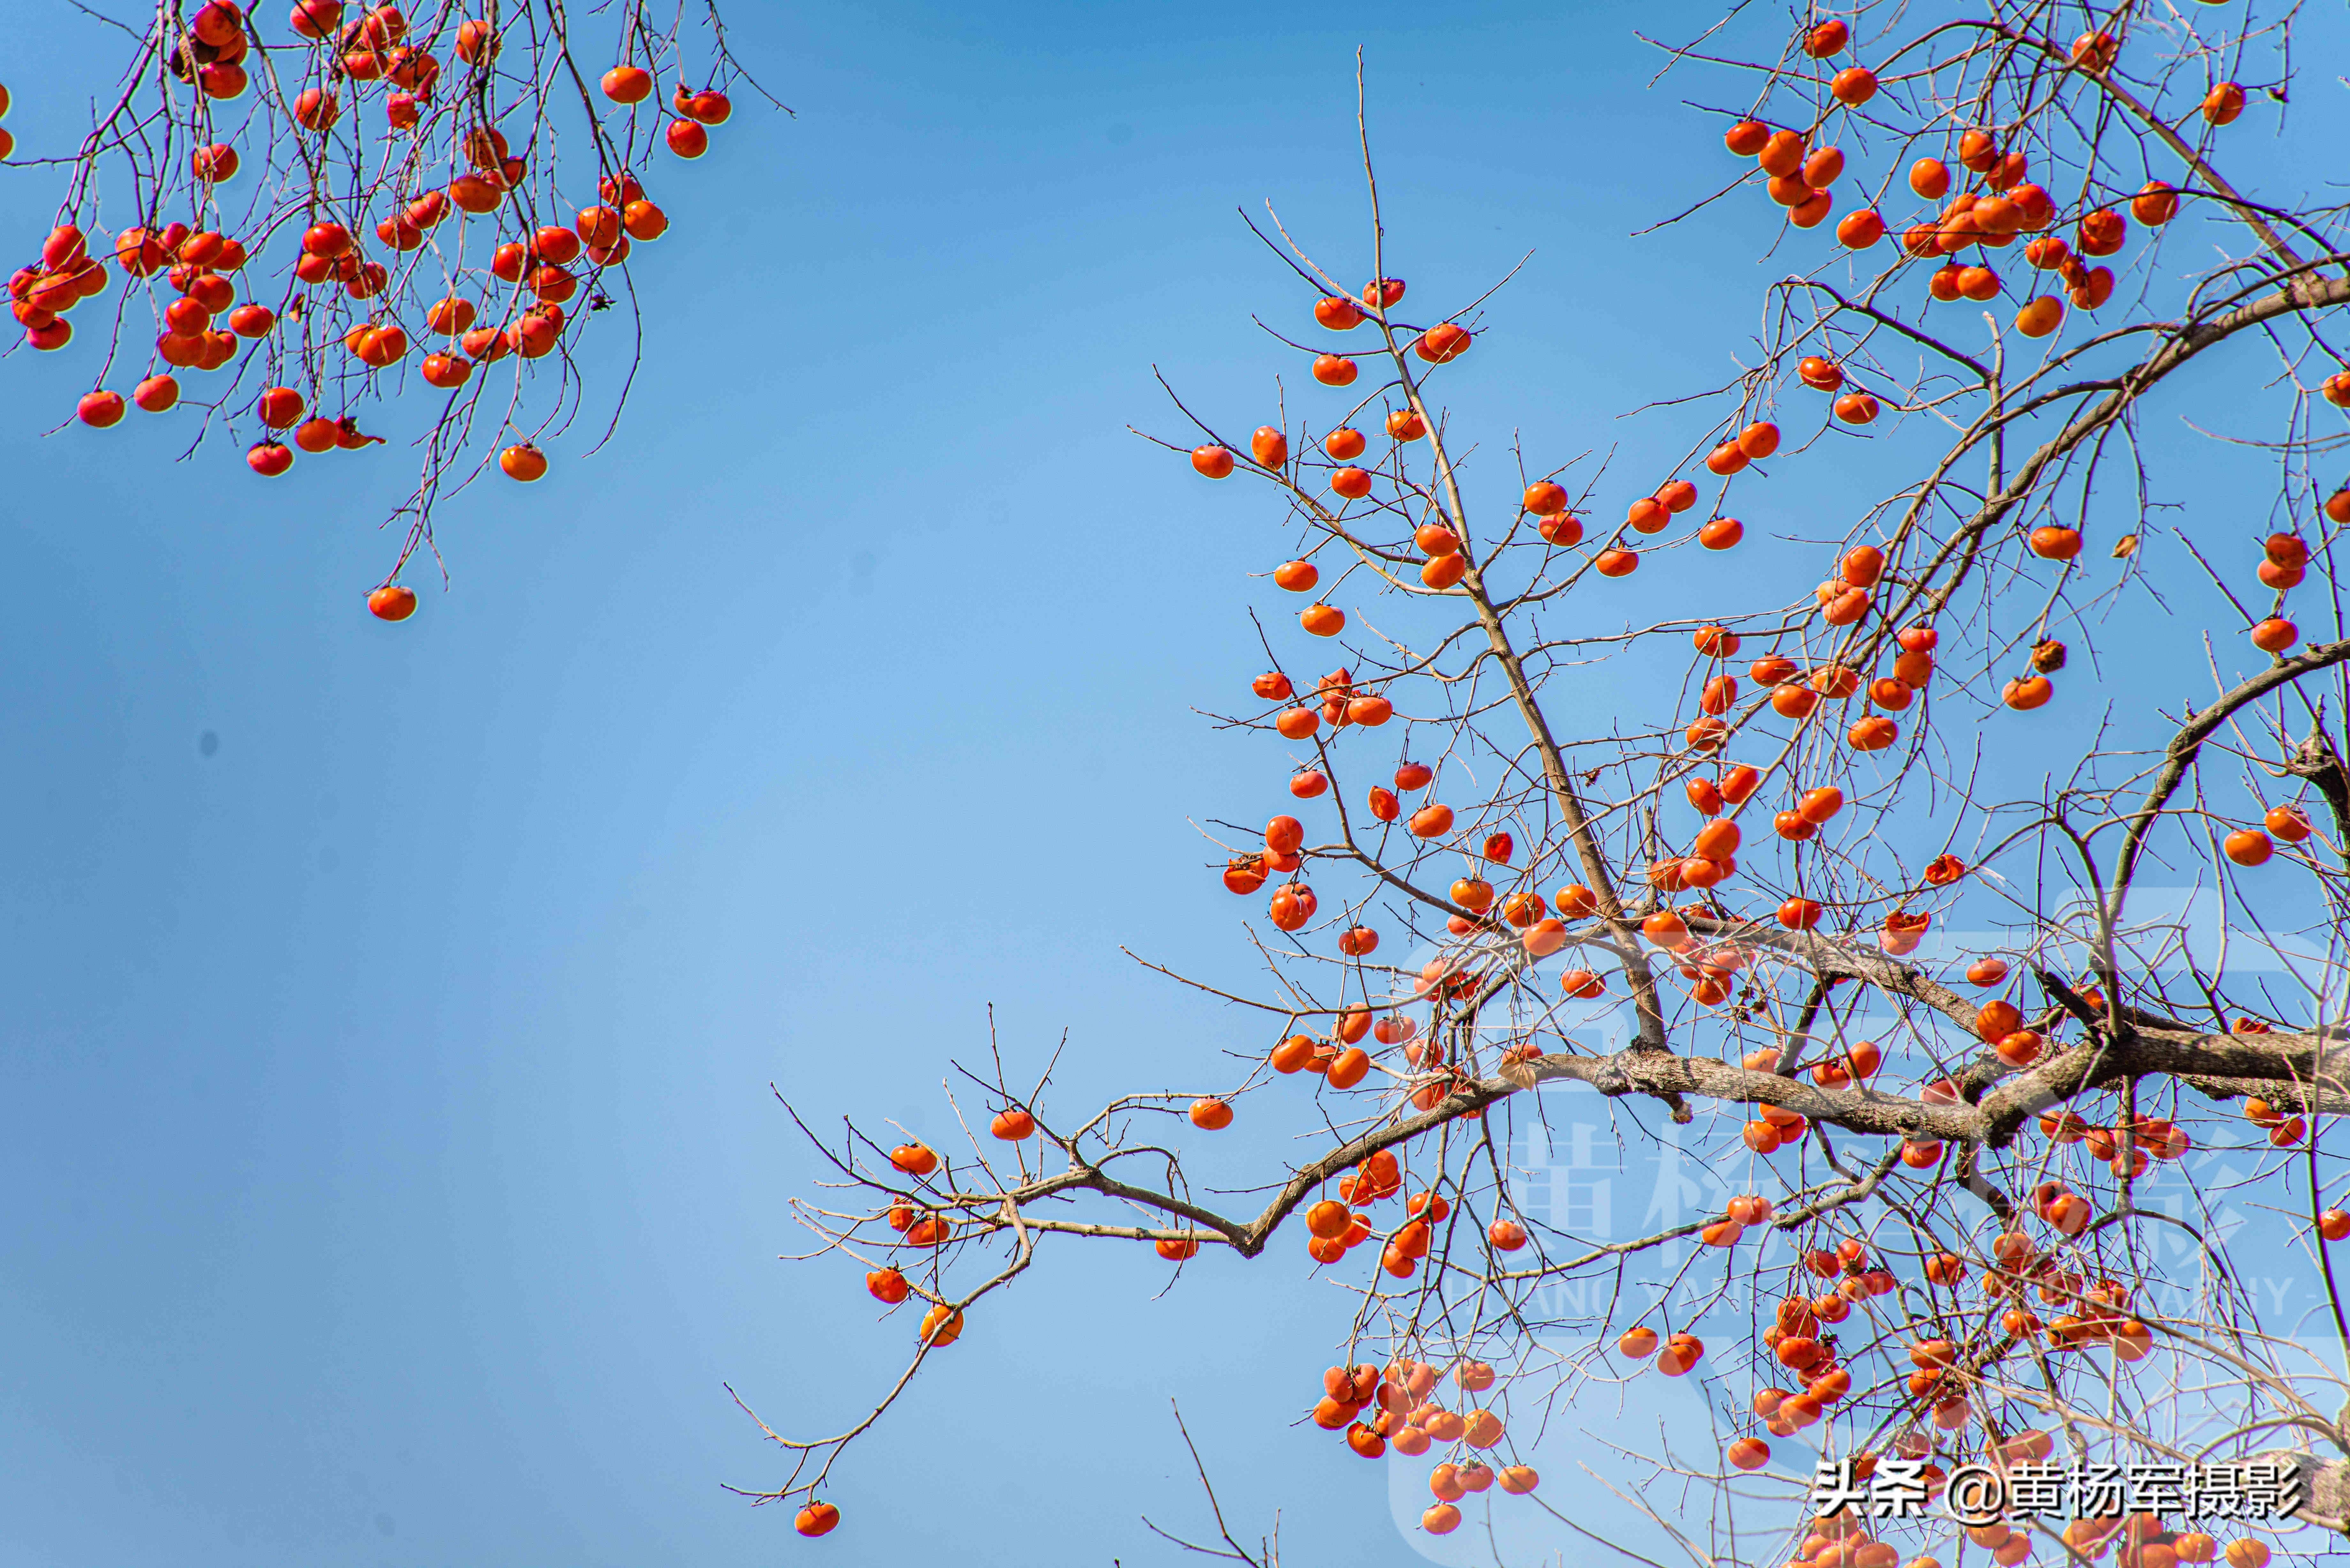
{"x": 392, "y": 1173}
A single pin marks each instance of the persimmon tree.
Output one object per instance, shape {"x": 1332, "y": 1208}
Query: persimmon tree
{"x": 316, "y": 213}
{"x": 1936, "y": 1028}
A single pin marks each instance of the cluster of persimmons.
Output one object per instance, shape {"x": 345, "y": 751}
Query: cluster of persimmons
{"x": 437, "y": 246}
{"x": 1534, "y": 899}
{"x": 1401, "y": 1406}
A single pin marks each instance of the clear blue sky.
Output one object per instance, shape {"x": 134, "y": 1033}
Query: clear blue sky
{"x": 392, "y": 1173}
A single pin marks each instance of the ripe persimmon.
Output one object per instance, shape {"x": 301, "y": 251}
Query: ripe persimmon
{"x": 1506, "y": 1235}
{"x": 446, "y": 372}
{"x": 1284, "y": 835}
{"x": 1583, "y": 984}
{"x": 1872, "y": 733}
{"x": 1801, "y": 914}
{"x": 2248, "y": 846}
{"x": 1334, "y": 370}
{"x": 2275, "y": 635}
{"x": 377, "y": 346}
{"x": 2049, "y": 253}
{"x": 2287, "y": 823}
{"x": 2095, "y": 51}
{"x": 2093, "y": 290}
{"x": 1338, "y": 313}
{"x": 2031, "y": 691}
{"x": 628, "y": 84}
{"x": 316, "y": 109}
{"x": 2053, "y": 542}
{"x": 708, "y": 107}
{"x": 642, "y": 220}
{"x": 1860, "y": 230}
{"x": 2101, "y": 233}
{"x": 522, "y": 462}
{"x": 1443, "y": 343}
{"x": 1292, "y": 1055}
{"x": 1436, "y": 539}
{"x": 1781, "y": 154}
{"x": 1721, "y": 532}
{"x": 2019, "y": 1049}
{"x": 278, "y": 406}
{"x": 1545, "y": 499}
{"x": 1213, "y": 462}
{"x": 2039, "y": 317}
{"x": 1680, "y": 1352}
